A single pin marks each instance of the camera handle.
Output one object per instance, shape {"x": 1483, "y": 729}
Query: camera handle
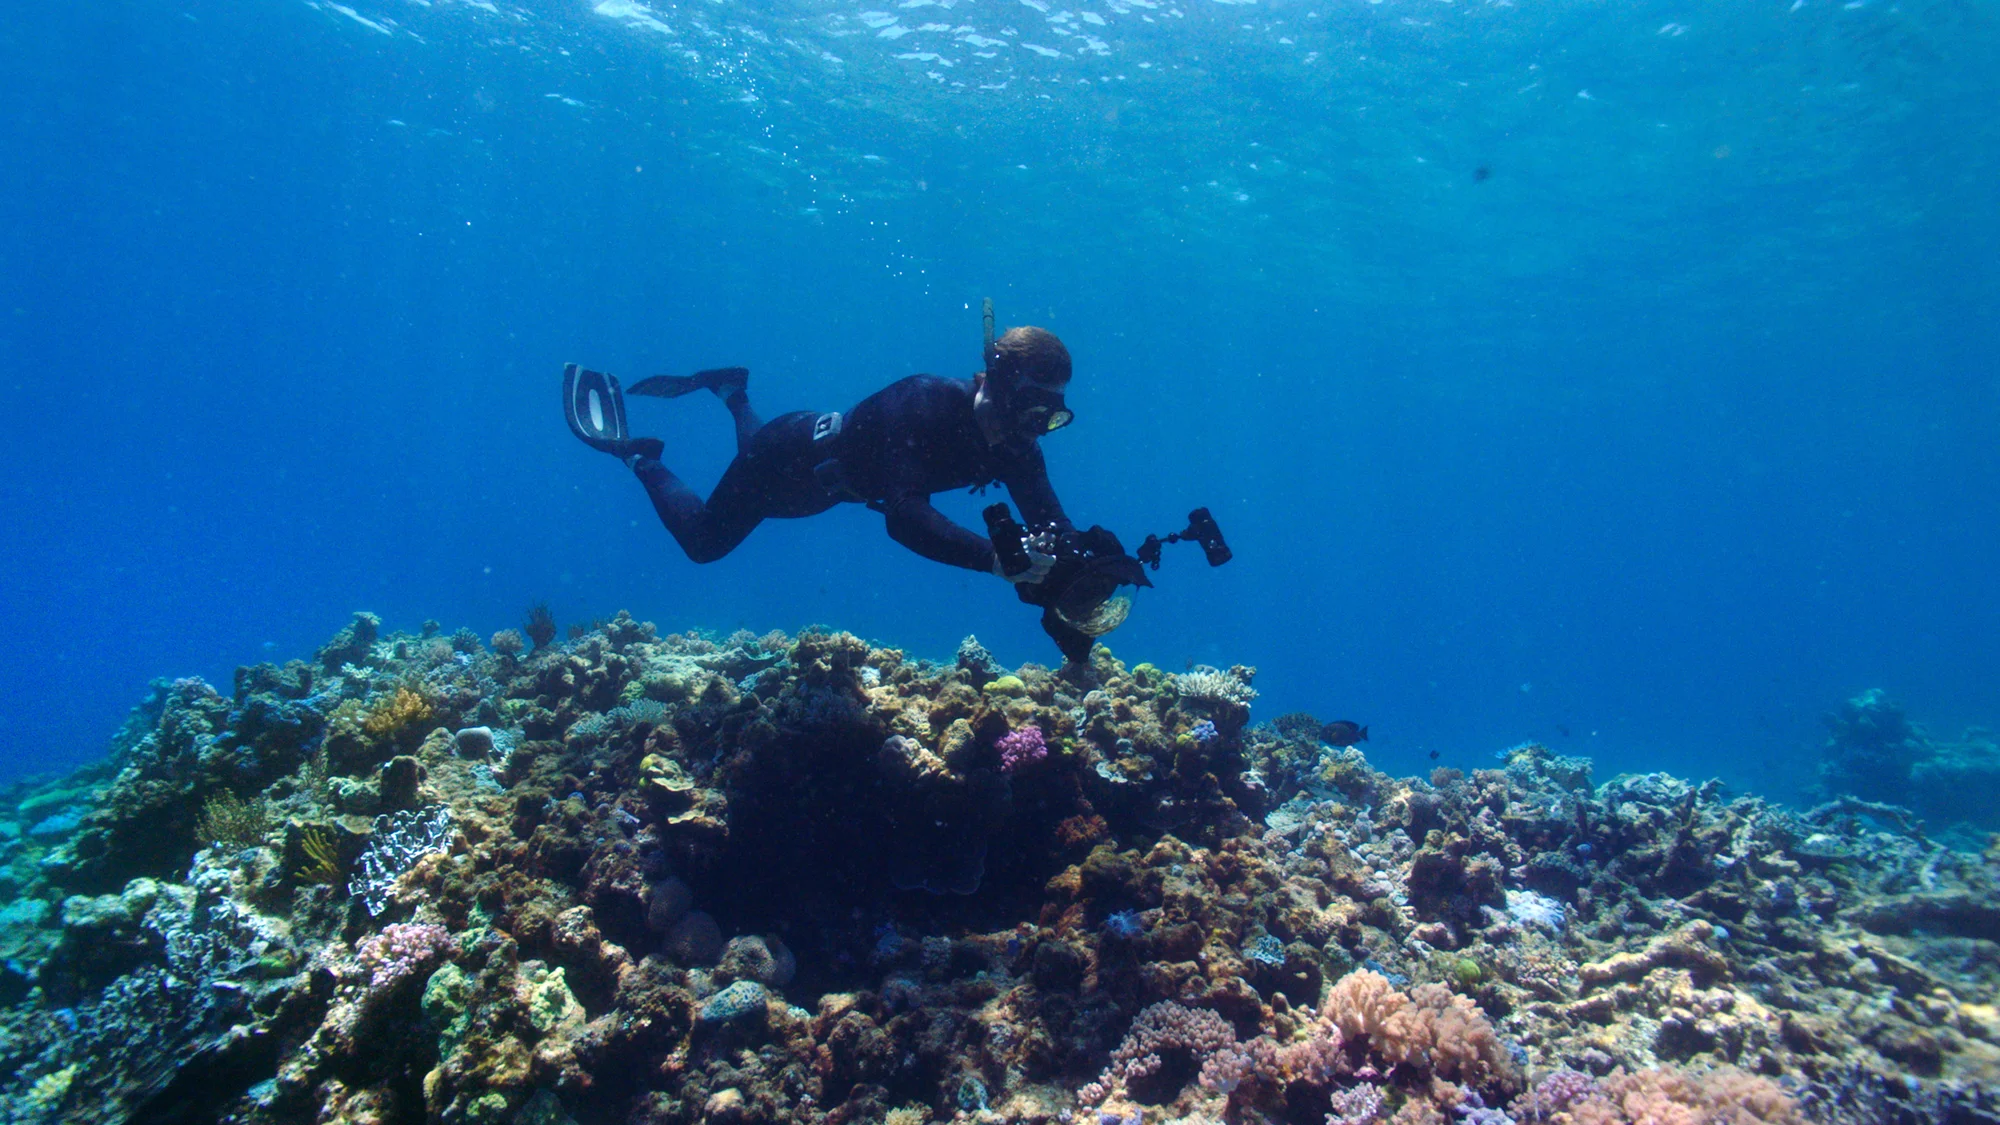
{"x": 1009, "y": 540}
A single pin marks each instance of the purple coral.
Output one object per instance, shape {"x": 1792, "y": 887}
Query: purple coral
{"x": 1554, "y": 1094}
{"x": 1474, "y": 1111}
{"x": 1020, "y": 747}
{"x": 1356, "y": 1105}
{"x": 400, "y": 949}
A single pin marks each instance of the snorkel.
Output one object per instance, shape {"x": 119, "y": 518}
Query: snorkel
{"x": 987, "y": 354}
{"x": 1021, "y": 388}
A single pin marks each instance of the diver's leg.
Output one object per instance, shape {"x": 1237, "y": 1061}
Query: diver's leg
{"x": 771, "y": 478}
{"x": 706, "y": 531}
{"x": 747, "y": 422}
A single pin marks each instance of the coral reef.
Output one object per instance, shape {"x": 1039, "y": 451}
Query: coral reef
{"x": 1874, "y": 752}
{"x": 651, "y": 879}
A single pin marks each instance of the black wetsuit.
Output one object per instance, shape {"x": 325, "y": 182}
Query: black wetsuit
{"x": 906, "y": 441}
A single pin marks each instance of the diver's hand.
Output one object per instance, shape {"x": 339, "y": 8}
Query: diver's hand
{"x": 1038, "y": 568}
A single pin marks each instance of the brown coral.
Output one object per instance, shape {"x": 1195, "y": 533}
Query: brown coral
{"x": 394, "y": 714}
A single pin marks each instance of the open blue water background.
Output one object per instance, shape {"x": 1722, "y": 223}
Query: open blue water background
{"x": 1671, "y": 432}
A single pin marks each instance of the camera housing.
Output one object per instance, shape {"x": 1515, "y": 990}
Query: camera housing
{"x": 1076, "y": 596}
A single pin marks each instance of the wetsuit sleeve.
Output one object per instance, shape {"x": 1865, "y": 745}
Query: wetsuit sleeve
{"x": 915, "y": 524}
{"x": 1027, "y": 482}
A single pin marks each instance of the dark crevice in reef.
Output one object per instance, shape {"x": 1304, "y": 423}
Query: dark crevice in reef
{"x": 209, "y": 1082}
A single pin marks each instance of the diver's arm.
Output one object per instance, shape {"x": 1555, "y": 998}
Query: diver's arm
{"x": 1027, "y": 481}
{"x": 915, "y": 524}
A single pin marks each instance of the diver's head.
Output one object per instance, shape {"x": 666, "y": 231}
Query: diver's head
{"x": 1021, "y": 391}
{"x": 1029, "y": 354}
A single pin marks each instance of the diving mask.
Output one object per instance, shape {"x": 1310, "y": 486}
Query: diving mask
{"x": 1041, "y": 409}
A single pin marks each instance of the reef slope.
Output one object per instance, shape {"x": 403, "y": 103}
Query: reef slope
{"x": 634, "y": 878}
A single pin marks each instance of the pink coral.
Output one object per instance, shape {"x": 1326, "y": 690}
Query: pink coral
{"x": 1457, "y": 1037}
{"x": 1021, "y": 747}
{"x": 1362, "y": 1005}
{"x": 400, "y": 949}
{"x": 1313, "y": 1059}
{"x": 1167, "y": 1026}
{"x": 1433, "y": 1023}
{"x": 1228, "y": 1068}
{"x": 1663, "y": 1096}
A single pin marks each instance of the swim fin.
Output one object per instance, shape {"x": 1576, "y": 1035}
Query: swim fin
{"x": 724, "y": 381}
{"x": 595, "y": 409}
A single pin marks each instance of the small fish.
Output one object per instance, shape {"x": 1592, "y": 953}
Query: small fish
{"x": 1340, "y": 732}
{"x": 1481, "y": 174}
{"x": 1434, "y": 755}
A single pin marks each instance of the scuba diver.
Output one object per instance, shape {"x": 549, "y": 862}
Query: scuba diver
{"x": 918, "y": 436}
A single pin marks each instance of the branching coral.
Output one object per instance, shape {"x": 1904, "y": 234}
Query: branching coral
{"x": 229, "y": 819}
{"x": 1021, "y": 747}
{"x": 541, "y": 625}
{"x": 1553, "y": 1093}
{"x": 322, "y": 858}
{"x": 399, "y": 950}
{"x": 393, "y": 714}
{"x": 1164, "y": 1026}
{"x": 1207, "y": 685}
{"x": 398, "y": 842}
{"x": 1356, "y": 1105}
{"x": 1313, "y": 1060}
{"x": 509, "y": 642}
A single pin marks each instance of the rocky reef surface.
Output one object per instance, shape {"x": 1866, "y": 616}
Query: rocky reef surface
{"x": 1873, "y": 750}
{"x": 642, "y": 878}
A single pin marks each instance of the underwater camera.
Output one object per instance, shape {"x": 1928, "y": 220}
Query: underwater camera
{"x": 1077, "y": 597}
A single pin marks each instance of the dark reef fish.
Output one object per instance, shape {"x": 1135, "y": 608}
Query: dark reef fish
{"x": 1340, "y": 732}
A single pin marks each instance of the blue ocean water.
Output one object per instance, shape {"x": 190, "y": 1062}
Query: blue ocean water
{"x": 1618, "y": 376}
